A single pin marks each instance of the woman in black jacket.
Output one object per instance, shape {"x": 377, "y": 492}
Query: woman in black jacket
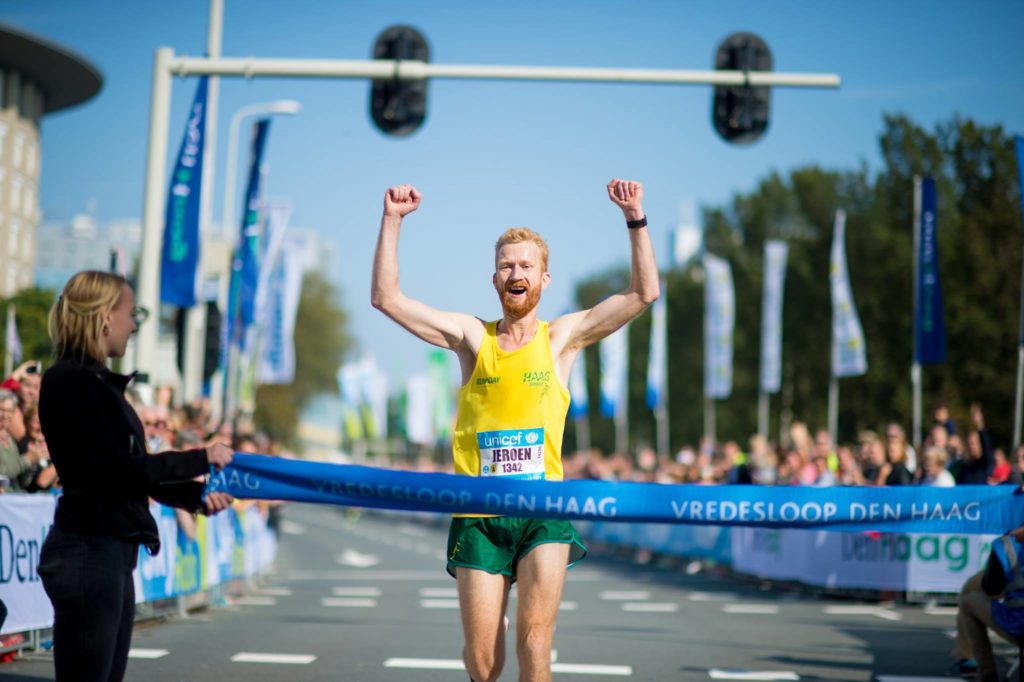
{"x": 97, "y": 443}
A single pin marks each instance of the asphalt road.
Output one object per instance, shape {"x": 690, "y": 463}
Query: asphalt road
{"x": 366, "y": 597}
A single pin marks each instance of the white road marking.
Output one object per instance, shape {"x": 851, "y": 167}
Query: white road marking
{"x": 712, "y": 596}
{"x": 554, "y": 654}
{"x": 253, "y": 657}
{"x": 568, "y": 606}
{"x": 863, "y": 611}
{"x": 904, "y": 678}
{"x": 591, "y": 669}
{"x": 425, "y": 663}
{"x": 445, "y": 592}
{"x": 933, "y": 610}
{"x": 650, "y": 607}
{"x": 349, "y": 602}
{"x": 292, "y": 528}
{"x": 766, "y": 609}
{"x": 253, "y": 601}
{"x": 950, "y": 633}
{"x": 147, "y": 653}
{"x": 624, "y": 595}
{"x": 455, "y": 664}
{"x": 355, "y": 591}
{"x": 275, "y": 591}
{"x": 439, "y": 603}
{"x": 351, "y": 557}
{"x": 752, "y": 674}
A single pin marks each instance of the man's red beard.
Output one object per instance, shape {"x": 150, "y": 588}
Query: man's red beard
{"x": 518, "y": 307}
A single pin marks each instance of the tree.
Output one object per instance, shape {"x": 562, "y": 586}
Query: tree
{"x": 32, "y": 307}
{"x": 321, "y": 342}
{"x": 980, "y": 243}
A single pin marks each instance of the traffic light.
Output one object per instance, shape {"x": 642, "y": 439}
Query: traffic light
{"x": 740, "y": 113}
{"x": 398, "y": 107}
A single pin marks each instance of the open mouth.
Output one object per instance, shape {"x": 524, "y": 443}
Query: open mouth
{"x": 517, "y": 290}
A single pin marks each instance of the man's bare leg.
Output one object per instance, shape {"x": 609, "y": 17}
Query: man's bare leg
{"x": 541, "y": 575}
{"x": 483, "y": 598}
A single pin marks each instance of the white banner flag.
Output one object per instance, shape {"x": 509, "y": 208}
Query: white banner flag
{"x": 26, "y": 521}
{"x": 281, "y": 306}
{"x": 419, "y": 409}
{"x": 614, "y": 368}
{"x": 719, "y": 321}
{"x": 13, "y": 340}
{"x": 775, "y": 255}
{"x": 373, "y": 383}
{"x": 849, "y": 352}
{"x": 656, "y": 377}
{"x": 578, "y": 388}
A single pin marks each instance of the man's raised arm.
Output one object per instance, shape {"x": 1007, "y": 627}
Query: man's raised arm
{"x": 447, "y": 330}
{"x": 586, "y": 327}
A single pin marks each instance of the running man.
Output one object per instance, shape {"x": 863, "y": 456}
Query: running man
{"x": 511, "y": 413}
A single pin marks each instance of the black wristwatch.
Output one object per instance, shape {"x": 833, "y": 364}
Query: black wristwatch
{"x": 637, "y": 224}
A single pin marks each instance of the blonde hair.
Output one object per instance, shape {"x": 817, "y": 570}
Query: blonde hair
{"x": 937, "y": 454}
{"x": 517, "y": 235}
{"x": 76, "y": 319}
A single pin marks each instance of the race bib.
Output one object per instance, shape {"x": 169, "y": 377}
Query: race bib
{"x": 512, "y": 453}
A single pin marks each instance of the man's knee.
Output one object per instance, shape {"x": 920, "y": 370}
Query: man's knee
{"x": 534, "y": 641}
{"x": 483, "y": 665}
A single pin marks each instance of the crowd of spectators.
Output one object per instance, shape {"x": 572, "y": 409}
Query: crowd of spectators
{"x": 877, "y": 459}
{"x": 25, "y": 465}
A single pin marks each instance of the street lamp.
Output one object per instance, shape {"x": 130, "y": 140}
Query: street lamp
{"x": 284, "y": 107}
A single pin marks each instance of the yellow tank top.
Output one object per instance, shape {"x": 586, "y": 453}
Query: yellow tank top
{"x": 511, "y": 412}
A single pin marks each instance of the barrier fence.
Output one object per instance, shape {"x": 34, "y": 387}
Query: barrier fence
{"x": 218, "y": 549}
{"x": 772, "y": 533}
{"x": 937, "y": 563}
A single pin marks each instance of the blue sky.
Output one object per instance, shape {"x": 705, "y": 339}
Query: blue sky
{"x": 493, "y": 155}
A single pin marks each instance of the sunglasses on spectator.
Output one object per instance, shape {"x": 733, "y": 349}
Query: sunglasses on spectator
{"x": 139, "y": 315}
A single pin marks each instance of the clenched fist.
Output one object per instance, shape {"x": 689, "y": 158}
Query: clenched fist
{"x": 401, "y": 200}
{"x": 627, "y": 195}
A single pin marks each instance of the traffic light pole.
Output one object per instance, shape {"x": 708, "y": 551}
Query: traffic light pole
{"x": 166, "y": 64}
{"x": 384, "y": 69}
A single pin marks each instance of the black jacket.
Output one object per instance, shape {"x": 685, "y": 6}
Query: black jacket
{"x": 97, "y": 443}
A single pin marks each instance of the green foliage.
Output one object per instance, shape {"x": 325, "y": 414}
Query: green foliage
{"x": 321, "y": 342}
{"x": 32, "y": 306}
{"x": 980, "y": 246}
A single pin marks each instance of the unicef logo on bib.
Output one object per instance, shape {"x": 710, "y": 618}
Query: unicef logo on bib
{"x": 512, "y": 453}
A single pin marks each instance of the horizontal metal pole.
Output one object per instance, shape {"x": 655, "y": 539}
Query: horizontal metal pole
{"x": 245, "y": 67}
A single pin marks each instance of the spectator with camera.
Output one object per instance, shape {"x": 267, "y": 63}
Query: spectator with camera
{"x": 17, "y": 468}
{"x": 24, "y": 384}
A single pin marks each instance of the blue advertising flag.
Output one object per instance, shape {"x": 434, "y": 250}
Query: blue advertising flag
{"x": 180, "y": 257}
{"x": 929, "y": 324}
{"x": 245, "y": 268}
{"x": 1019, "y": 143}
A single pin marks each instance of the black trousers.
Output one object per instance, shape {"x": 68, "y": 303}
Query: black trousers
{"x": 88, "y": 578}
